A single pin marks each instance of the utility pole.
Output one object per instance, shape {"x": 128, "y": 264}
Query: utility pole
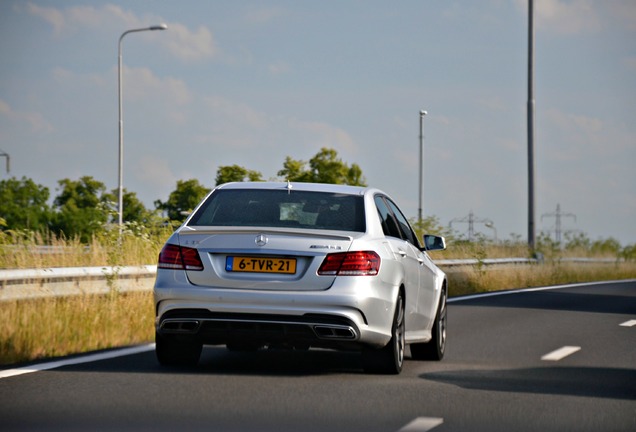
{"x": 531, "y": 106}
{"x": 471, "y": 220}
{"x": 419, "y": 208}
{"x": 558, "y": 215}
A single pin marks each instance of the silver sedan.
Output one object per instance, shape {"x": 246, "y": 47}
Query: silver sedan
{"x": 300, "y": 265}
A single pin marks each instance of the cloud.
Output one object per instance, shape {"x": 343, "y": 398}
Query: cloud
{"x": 50, "y": 15}
{"x": 141, "y": 82}
{"x": 35, "y": 121}
{"x": 182, "y": 42}
{"x": 566, "y": 17}
{"x": 326, "y": 135}
{"x": 188, "y": 45}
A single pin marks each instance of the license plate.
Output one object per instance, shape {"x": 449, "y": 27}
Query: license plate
{"x": 260, "y": 264}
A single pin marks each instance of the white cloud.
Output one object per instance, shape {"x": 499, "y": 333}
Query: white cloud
{"x": 566, "y": 17}
{"x": 142, "y": 83}
{"x": 189, "y": 45}
{"x": 325, "y": 135}
{"x": 182, "y": 42}
{"x": 35, "y": 121}
{"x": 51, "y": 15}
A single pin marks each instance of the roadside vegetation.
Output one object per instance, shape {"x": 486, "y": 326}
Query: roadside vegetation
{"x": 78, "y": 231}
{"x": 44, "y": 328}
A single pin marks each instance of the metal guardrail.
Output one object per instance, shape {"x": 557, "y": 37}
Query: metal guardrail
{"x": 63, "y": 281}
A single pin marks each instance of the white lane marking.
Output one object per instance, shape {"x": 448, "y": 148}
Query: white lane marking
{"x": 422, "y": 424}
{"x": 561, "y": 353}
{"x": 630, "y": 323}
{"x": 77, "y": 360}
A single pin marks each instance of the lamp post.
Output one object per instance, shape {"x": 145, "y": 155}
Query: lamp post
{"x": 120, "y": 204}
{"x": 419, "y": 208}
{"x": 5, "y": 154}
{"x": 531, "y": 130}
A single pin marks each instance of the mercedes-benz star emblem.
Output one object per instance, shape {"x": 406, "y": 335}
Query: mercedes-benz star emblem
{"x": 261, "y": 240}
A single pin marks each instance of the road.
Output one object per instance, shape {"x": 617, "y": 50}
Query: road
{"x": 545, "y": 360}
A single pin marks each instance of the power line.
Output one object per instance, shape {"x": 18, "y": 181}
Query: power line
{"x": 558, "y": 214}
{"x": 471, "y": 220}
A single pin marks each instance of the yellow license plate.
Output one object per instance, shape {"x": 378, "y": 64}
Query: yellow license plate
{"x": 260, "y": 264}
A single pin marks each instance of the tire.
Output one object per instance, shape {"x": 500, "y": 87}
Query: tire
{"x": 436, "y": 347}
{"x": 171, "y": 352}
{"x": 389, "y": 359}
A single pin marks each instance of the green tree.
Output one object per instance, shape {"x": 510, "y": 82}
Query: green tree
{"x": 81, "y": 208}
{"x": 609, "y": 247}
{"x": 324, "y": 167}
{"x": 134, "y": 209}
{"x": 236, "y": 173}
{"x": 23, "y": 204}
{"x": 183, "y": 199}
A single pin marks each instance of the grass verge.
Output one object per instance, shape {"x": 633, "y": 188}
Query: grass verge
{"x": 59, "y": 326}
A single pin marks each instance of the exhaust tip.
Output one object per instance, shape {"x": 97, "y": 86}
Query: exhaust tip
{"x": 331, "y": 332}
{"x": 180, "y": 326}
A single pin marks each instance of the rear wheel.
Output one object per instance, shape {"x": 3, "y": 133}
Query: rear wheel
{"x": 435, "y": 348}
{"x": 389, "y": 359}
{"x": 171, "y": 352}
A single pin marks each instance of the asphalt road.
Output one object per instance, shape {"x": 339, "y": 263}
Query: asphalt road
{"x": 547, "y": 360}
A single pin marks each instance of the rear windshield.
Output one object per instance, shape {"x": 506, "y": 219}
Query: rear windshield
{"x": 280, "y": 208}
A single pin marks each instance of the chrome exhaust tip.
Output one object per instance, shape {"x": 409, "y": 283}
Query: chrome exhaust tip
{"x": 180, "y": 326}
{"x": 335, "y": 332}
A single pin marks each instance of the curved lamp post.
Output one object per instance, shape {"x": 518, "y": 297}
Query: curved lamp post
{"x": 120, "y": 204}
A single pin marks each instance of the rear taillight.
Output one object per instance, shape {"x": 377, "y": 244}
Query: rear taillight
{"x": 361, "y": 263}
{"x": 179, "y": 258}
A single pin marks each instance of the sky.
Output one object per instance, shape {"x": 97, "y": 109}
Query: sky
{"x": 252, "y": 82}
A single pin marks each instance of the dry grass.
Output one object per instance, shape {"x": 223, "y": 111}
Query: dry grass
{"x": 32, "y": 250}
{"x": 52, "y": 327}
{"x": 476, "y": 279}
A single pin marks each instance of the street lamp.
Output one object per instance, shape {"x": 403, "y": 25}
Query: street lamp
{"x": 5, "y": 154}
{"x": 120, "y": 204}
{"x": 419, "y": 208}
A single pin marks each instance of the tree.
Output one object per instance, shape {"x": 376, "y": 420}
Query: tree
{"x": 183, "y": 199}
{"x": 23, "y": 204}
{"x": 324, "y": 167}
{"x": 235, "y": 173}
{"x": 81, "y": 208}
{"x": 134, "y": 209}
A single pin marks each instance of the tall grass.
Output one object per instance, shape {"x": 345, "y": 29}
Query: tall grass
{"x": 51, "y": 327}
{"x": 477, "y": 279}
{"x": 27, "y": 249}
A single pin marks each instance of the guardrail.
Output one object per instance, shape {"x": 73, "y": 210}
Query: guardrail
{"x": 64, "y": 281}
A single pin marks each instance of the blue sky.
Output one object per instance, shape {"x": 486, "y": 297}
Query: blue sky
{"x": 251, "y": 82}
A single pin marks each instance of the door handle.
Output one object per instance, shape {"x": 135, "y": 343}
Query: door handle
{"x": 402, "y": 253}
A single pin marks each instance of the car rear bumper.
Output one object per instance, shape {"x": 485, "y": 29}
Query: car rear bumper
{"x": 348, "y": 315}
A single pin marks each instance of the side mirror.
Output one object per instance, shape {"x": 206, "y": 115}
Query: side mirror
{"x": 433, "y": 243}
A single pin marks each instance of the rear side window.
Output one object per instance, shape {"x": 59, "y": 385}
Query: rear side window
{"x": 393, "y": 222}
{"x": 388, "y": 221}
{"x": 280, "y": 208}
